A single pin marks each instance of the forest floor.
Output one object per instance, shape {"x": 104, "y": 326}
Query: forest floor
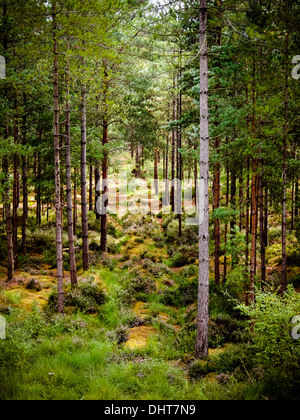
{"x": 129, "y": 328}
{"x": 137, "y": 341}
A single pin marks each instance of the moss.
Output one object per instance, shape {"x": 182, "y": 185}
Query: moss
{"x": 138, "y": 336}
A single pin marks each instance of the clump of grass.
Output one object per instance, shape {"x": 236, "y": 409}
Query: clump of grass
{"x": 86, "y": 297}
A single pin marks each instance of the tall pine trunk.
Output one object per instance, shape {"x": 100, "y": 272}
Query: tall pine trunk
{"x": 103, "y": 244}
{"x": 16, "y": 184}
{"x": 24, "y": 181}
{"x": 59, "y": 227}
{"x": 84, "y": 201}
{"x": 73, "y": 270}
{"x": 216, "y": 205}
{"x": 285, "y": 168}
{"x": 173, "y": 152}
{"x": 8, "y": 218}
{"x": 203, "y": 291}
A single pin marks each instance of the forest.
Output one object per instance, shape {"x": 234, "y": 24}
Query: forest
{"x": 149, "y": 200}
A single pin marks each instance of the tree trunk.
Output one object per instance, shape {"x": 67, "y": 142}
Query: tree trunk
{"x": 254, "y": 196}
{"x": 91, "y": 188}
{"x": 226, "y": 225}
{"x": 97, "y": 191}
{"x": 7, "y": 214}
{"x": 203, "y": 291}
{"x": 84, "y": 203}
{"x": 75, "y": 202}
{"x": 179, "y": 156}
{"x": 156, "y": 171}
{"x": 285, "y": 168}
{"x": 297, "y": 204}
{"x": 167, "y": 197}
{"x": 103, "y": 244}
{"x": 73, "y": 270}
{"x": 137, "y": 161}
{"x": 262, "y": 231}
{"x": 254, "y": 218}
{"x": 25, "y": 186}
{"x": 38, "y": 189}
{"x": 247, "y": 218}
{"x": 216, "y": 205}
{"x": 16, "y": 186}
{"x": 59, "y": 253}
{"x": 173, "y": 152}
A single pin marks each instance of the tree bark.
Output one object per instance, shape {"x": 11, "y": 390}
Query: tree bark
{"x": 179, "y": 156}
{"x": 103, "y": 244}
{"x": 75, "y": 202}
{"x": 72, "y": 257}
{"x": 97, "y": 191}
{"x": 203, "y": 291}
{"x": 216, "y": 205}
{"x": 172, "y": 195}
{"x": 91, "y": 188}
{"x": 59, "y": 253}
{"x": 7, "y": 214}
{"x": 285, "y": 168}
{"x": 25, "y": 186}
{"x": 84, "y": 203}
{"x": 254, "y": 196}
{"x": 16, "y": 185}
{"x": 262, "y": 231}
{"x": 156, "y": 171}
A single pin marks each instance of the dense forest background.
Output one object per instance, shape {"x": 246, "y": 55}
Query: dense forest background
{"x": 100, "y": 140}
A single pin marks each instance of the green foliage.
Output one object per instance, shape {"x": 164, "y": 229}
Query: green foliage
{"x": 271, "y": 323}
{"x": 136, "y": 285}
{"x": 85, "y": 297}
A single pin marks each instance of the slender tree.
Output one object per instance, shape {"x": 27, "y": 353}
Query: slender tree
{"x": 59, "y": 227}
{"x": 203, "y": 292}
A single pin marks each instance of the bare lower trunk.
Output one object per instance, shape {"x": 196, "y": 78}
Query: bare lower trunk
{"x": 59, "y": 253}
{"x": 203, "y": 291}
{"x": 156, "y": 171}
{"x": 16, "y": 185}
{"x": 97, "y": 191}
{"x": 7, "y": 215}
{"x": 262, "y": 232}
{"x": 84, "y": 203}
{"x": 103, "y": 244}
{"x": 73, "y": 270}
{"x": 25, "y": 186}
{"x": 285, "y": 168}
{"x": 216, "y": 205}
{"x": 254, "y": 219}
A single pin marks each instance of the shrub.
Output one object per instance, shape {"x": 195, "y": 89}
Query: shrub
{"x": 135, "y": 283}
{"x": 200, "y": 368}
{"x": 110, "y": 263}
{"x": 225, "y": 329}
{"x": 178, "y": 260}
{"x": 270, "y": 319}
{"x": 33, "y": 284}
{"x": 86, "y": 297}
{"x": 183, "y": 295}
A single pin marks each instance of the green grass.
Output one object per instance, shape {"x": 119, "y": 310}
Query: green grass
{"x": 81, "y": 356}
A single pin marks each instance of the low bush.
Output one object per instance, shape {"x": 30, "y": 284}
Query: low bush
{"x": 86, "y": 297}
{"x": 183, "y": 294}
{"x": 134, "y": 284}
